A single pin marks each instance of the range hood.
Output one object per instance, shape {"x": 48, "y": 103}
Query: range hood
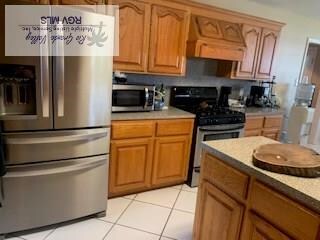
{"x": 215, "y": 39}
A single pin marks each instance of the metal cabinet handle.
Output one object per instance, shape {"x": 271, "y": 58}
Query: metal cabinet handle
{"x": 60, "y": 73}
{"x": 146, "y": 91}
{"x": 59, "y": 139}
{"x": 45, "y": 76}
{"x": 58, "y": 170}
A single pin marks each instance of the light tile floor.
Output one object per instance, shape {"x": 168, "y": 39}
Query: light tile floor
{"x": 164, "y": 214}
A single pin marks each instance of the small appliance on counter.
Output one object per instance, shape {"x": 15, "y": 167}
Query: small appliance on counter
{"x": 213, "y": 122}
{"x": 132, "y": 98}
{"x": 255, "y": 99}
{"x": 224, "y": 96}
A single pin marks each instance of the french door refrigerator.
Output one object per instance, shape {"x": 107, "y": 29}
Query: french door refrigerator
{"x": 55, "y": 119}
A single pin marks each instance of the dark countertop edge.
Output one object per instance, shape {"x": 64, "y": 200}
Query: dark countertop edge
{"x": 292, "y": 193}
{"x": 155, "y": 118}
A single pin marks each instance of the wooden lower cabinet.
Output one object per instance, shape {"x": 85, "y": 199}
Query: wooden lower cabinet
{"x": 264, "y": 125}
{"x": 271, "y": 133}
{"x": 219, "y": 216}
{"x": 256, "y": 228}
{"x": 130, "y": 165}
{"x": 262, "y": 214}
{"x": 147, "y": 154}
{"x": 171, "y": 155}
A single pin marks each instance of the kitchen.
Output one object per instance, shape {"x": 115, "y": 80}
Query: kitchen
{"x": 153, "y": 154}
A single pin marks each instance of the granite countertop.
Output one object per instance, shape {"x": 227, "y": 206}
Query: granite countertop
{"x": 170, "y": 113}
{"x": 238, "y": 153}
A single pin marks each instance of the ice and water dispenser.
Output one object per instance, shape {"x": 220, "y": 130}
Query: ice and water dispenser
{"x": 17, "y": 90}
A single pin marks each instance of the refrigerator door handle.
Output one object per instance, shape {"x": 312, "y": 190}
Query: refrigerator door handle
{"x": 84, "y": 164}
{"x": 60, "y": 72}
{"x": 56, "y": 139}
{"x": 45, "y": 74}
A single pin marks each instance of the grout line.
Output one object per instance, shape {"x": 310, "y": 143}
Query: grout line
{"x": 137, "y": 229}
{"x": 165, "y": 225}
{"x": 184, "y": 211}
{"x": 153, "y": 204}
{"x": 50, "y": 233}
{"x": 131, "y": 201}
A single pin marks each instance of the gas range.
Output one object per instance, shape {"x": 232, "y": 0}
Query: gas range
{"x": 203, "y": 102}
{"x": 214, "y": 121}
{"x": 218, "y": 116}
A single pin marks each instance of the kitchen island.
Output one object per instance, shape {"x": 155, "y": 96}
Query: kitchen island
{"x": 237, "y": 200}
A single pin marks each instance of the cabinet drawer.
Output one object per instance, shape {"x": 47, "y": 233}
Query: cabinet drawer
{"x": 285, "y": 214}
{"x": 273, "y": 122}
{"x": 132, "y": 129}
{"x": 225, "y": 177}
{"x": 174, "y": 127}
{"x": 254, "y": 123}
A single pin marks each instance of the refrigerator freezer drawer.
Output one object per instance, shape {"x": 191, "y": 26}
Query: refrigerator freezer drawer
{"x": 37, "y": 195}
{"x": 46, "y": 146}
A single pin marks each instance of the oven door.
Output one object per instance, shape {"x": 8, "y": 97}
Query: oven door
{"x": 132, "y": 98}
{"x": 209, "y": 133}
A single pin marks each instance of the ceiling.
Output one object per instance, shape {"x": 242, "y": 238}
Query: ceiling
{"x": 304, "y": 7}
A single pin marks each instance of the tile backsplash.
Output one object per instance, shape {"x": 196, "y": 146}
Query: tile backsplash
{"x": 199, "y": 72}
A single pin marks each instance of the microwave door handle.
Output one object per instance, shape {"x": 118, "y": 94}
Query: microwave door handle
{"x": 146, "y": 95}
{"x": 60, "y": 73}
{"x": 45, "y": 75}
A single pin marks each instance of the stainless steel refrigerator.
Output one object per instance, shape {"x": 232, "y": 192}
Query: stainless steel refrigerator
{"x": 55, "y": 118}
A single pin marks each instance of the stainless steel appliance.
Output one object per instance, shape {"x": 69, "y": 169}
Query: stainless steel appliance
{"x": 132, "y": 98}
{"x": 56, "y": 135}
{"x": 213, "y": 122}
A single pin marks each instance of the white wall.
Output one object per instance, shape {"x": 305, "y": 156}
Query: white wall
{"x": 292, "y": 42}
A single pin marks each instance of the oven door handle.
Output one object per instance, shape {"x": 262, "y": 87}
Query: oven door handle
{"x": 221, "y": 130}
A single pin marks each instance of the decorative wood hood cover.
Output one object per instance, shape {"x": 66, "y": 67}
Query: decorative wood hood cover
{"x": 216, "y": 39}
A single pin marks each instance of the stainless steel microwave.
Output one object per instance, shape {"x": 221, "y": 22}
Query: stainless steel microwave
{"x": 132, "y": 98}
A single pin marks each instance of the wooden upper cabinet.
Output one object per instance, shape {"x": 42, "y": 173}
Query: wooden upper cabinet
{"x": 218, "y": 216}
{"x": 257, "y": 228}
{"x": 269, "y": 40}
{"x": 246, "y": 68}
{"x": 77, "y": 2}
{"x": 167, "y": 52}
{"x": 133, "y": 35}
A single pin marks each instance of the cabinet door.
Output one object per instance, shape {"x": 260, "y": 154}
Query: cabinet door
{"x": 269, "y": 39}
{"x": 133, "y": 35}
{"x": 219, "y": 216}
{"x": 130, "y": 165}
{"x": 246, "y": 68}
{"x": 168, "y": 40}
{"x": 258, "y": 229}
{"x": 171, "y": 159}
